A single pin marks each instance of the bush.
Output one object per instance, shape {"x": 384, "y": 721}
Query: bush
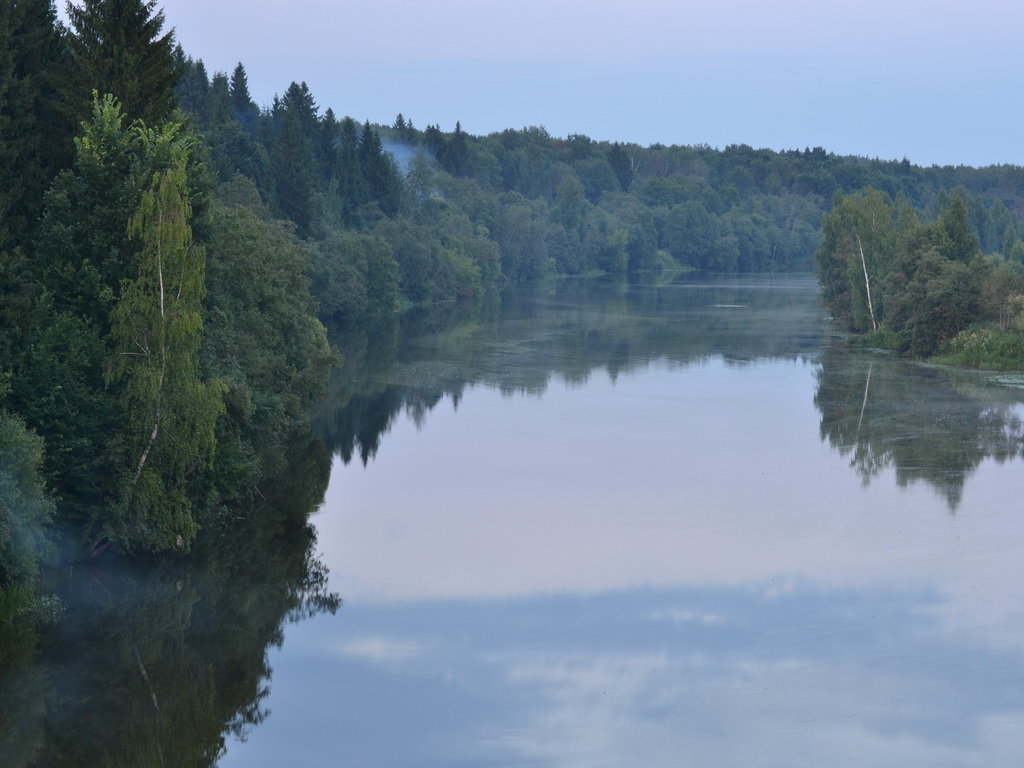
{"x": 983, "y": 346}
{"x": 25, "y": 511}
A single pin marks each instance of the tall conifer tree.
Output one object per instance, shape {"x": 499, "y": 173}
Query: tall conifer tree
{"x": 193, "y": 87}
{"x": 378, "y": 171}
{"x": 245, "y": 109}
{"x": 119, "y": 47}
{"x": 34, "y": 141}
{"x": 351, "y": 186}
{"x": 294, "y": 172}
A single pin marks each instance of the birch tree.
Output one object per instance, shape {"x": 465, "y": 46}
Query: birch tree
{"x": 170, "y": 412}
{"x": 856, "y": 250}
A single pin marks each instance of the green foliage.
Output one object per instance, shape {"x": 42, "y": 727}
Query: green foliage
{"x": 241, "y": 100}
{"x": 1002, "y": 292}
{"x": 378, "y": 171}
{"x": 25, "y": 509}
{"x": 575, "y": 204}
{"x": 354, "y": 276}
{"x": 522, "y": 238}
{"x": 103, "y": 350}
{"x": 94, "y": 312}
{"x": 84, "y": 233}
{"x": 294, "y": 172}
{"x": 348, "y": 175}
{"x": 260, "y": 336}
{"x": 33, "y": 140}
{"x": 64, "y": 342}
{"x": 959, "y": 241}
{"x": 984, "y": 346}
{"x": 427, "y": 272}
{"x": 856, "y": 249}
{"x": 58, "y": 388}
{"x": 621, "y": 166}
{"x": 570, "y": 208}
{"x": 691, "y": 234}
{"x": 452, "y": 153}
{"x": 116, "y": 47}
{"x": 941, "y": 301}
{"x": 167, "y": 432}
{"x": 928, "y": 282}
{"x": 17, "y": 310}
{"x": 162, "y": 663}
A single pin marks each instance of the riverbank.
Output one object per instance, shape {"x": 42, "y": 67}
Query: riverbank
{"x": 981, "y": 346}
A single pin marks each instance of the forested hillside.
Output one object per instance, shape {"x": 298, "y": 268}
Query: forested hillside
{"x": 169, "y": 250}
{"x": 459, "y": 214}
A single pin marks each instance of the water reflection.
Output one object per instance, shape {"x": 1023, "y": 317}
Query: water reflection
{"x": 720, "y": 676}
{"x": 667, "y": 558}
{"x": 518, "y": 344}
{"x": 158, "y": 666}
{"x": 929, "y": 424}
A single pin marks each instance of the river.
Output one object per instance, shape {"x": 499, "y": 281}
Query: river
{"x": 611, "y": 523}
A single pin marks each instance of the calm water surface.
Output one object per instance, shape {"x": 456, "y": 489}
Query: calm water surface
{"x": 606, "y": 525}
{"x": 664, "y": 525}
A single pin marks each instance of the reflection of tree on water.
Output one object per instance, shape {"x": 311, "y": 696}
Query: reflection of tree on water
{"x": 155, "y": 666}
{"x": 577, "y": 327}
{"x": 931, "y": 424}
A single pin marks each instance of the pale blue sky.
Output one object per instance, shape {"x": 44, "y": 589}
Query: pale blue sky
{"x": 935, "y": 81}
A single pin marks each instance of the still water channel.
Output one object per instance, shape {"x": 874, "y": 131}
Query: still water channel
{"x": 609, "y": 524}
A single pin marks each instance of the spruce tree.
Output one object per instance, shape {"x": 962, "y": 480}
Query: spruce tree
{"x": 435, "y": 141}
{"x": 221, "y": 108}
{"x": 379, "y": 172}
{"x": 299, "y": 101}
{"x": 116, "y": 47}
{"x": 193, "y": 87}
{"x": 294, "y": 171}
{"x": 458, "y": 153}
{"x": 351, "y": 185}
{"x": 326, "y": 148}
{"x": 403, "y": 128}
{"x": 959, "y": 239}
{"x": 241, "y": 100}
{"x": 34, "y": 140}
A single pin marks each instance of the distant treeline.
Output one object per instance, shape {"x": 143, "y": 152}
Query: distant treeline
{"x": 449, "y": 214}
{"x": 169, "y": 250}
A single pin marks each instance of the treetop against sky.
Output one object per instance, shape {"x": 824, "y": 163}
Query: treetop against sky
{"x": 936, "y": 82}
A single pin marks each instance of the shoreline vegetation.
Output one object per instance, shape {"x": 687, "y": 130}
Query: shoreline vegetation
{"x": 921, "y": 287}
{"x": 171, "y": 255}
{"x": 980, "y": 347}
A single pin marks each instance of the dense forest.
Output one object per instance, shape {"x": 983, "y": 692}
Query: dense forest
{"x": 171, "y": 252}
{"x": 923, "y": 288}
{"x": 158, "y": 343}
{"x": 459, "y": 214}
